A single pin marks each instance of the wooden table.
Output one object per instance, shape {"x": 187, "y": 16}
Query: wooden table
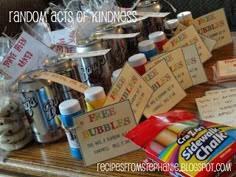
{"x": 55, "y": 159}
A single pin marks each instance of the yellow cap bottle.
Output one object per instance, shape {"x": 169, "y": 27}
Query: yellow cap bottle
{"x": 185, "y": 18}
{"x": 94, "y": 97}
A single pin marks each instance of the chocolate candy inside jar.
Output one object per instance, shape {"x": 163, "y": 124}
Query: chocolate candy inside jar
{"x": 118, "y": 46}
{"x": 69, "y": 69}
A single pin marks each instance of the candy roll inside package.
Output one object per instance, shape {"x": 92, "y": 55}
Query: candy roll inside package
{"x": 186, "y": 145}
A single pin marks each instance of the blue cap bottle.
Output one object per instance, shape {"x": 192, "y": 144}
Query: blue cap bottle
{"x": 148, "y": 48}
{"x": 70, "y": 109}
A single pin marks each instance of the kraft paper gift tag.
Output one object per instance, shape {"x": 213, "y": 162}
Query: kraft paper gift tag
{"x": 214, "y": 25}
{"x": 187, "y": 37}
{"x": 130, "y": 86}
{"x": 167, "y": 90}
{"x": 176, "y": 62}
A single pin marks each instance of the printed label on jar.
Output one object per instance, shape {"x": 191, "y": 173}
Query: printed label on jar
{"x": 50, "y": 108}
{"x": 29, "y": 104}
{"x": 92, "y": 72}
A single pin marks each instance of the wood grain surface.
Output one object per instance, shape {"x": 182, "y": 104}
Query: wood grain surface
{"x": 55, "y": 159}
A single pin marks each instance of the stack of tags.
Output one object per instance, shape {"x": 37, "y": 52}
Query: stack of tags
{"x": 13, "y": 133}
{"x": 155, "y": 92}
{"x": 163, "y": 84}
{"x": 187, "y": 37}
{"x": 218, "y": 106}
{"x": 215, "y": 26}
{"x": 167, "y": 91}
{"x": 185, "y": 63}
{"x": 224, "y": 70}
{"x": 208, "y": 32}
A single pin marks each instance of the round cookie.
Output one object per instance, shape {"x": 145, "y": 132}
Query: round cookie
{"x": 18, "y": 145}
{"x": 11, "y": 128}
{"x": 7, "y": 120}
{"x": 7, "y": 106}
{"x": 15, "y": 137}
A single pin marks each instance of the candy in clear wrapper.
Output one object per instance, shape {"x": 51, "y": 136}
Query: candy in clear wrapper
{"x": 14, "y": 130}
{"x": 4, "y": 48}
{"x": 39, "y": 30}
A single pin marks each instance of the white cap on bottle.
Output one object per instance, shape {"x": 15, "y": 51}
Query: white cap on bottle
{"x": 137, "y": 60}
{"x": 186, "y": 15}
{"x": 171, "y": 24}
{"x": 157, "y": 36}
{"x": 146, "y": 45}
{"x": 94, "y": 93}
{"x": 69, "y": 107}
{"x": 116, "y": 74}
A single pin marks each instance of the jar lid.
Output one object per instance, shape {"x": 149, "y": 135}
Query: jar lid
{"x": 146, "y": 45}
{"x": 143, "y": 4}
{"x": 157, "y": 36}
{"x": 137, "y": 60}
{"x": 69, "y": 107}
{"x": 94, "y": 93}
{"x": 57, "y": 64}
{"x": 171, "y": 24}
{"x": 104, "y": 27}
{"x": 116, "y": 74}
{"x": 184, "y": 15}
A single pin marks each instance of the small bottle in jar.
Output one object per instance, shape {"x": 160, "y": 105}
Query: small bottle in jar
{"x": 148, "y": 48}
{"x": 185, "y": 18}
{"x": 159, "y": 38}
{"x": 170, "y": 27}
{"x": 138, "y": 62}
{"x": 95, "y": 98}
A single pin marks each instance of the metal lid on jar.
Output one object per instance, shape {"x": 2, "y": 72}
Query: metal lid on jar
{"x": 137, "y": 60}
{"x": 171, "y": 24}
{"x": 108, "y": 29}
{"x": 143, "y": 4}
{"x": 104, "y": 28}
{"x": 149, "y": 6}
{"x": 94, "y": 93}
{"x": 186, "y": 15}
{"x": 146, "y": 45}
{"x": 87, "y": 42}
{"x": 69, "y": 107}
{"x": 90, "y": 45}
{"x": 57, "y": 64}
{"x": 157, "y": 36}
